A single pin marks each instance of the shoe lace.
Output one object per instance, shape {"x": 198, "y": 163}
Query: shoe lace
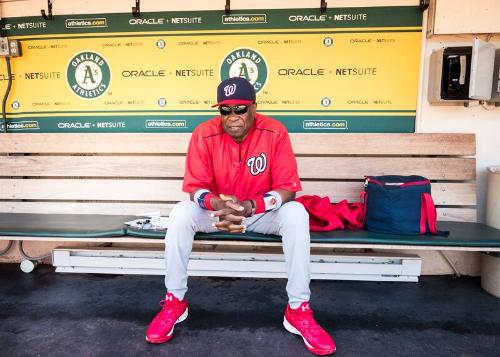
{"x": 309, "y": 324}
{"x": 167, "y": 313}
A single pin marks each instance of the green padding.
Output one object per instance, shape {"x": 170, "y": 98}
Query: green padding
{"x": 462, "y": 234}
{"x": 145, "y": 233}
{"x": 62, "y": 225}
{"x": 248, "y": 236}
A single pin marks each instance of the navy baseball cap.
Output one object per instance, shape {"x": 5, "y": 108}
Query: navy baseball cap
{"x": 233, "y": 91}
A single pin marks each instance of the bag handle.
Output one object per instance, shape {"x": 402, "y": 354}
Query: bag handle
{"x": 363, "y": 197}
{"x": 428, "y": 216}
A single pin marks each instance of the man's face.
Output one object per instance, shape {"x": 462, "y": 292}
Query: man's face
{"x": 235, "y": 123}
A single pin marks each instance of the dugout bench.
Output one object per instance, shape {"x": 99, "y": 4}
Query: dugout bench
{"x": 68, "y": 188}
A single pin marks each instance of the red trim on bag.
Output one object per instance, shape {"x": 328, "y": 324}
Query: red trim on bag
{"x": 423, "y": 215}
{"x": 375, "y": 181}
{"x": 431, "y": 213}
{"x": 414, "y": 183}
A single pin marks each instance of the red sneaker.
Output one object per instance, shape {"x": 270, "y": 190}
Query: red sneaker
{"x": 161, "y": 328}
{"x": 301, "y": 322}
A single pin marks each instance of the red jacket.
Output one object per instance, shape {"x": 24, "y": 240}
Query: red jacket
{"x": 326, "y": 216}
{"x": 264, "y": 161}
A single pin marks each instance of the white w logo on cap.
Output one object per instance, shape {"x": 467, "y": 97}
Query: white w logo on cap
{"x": 230, "y": 89}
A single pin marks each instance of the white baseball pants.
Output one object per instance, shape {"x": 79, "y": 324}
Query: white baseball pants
{"x": 291, "y": 221}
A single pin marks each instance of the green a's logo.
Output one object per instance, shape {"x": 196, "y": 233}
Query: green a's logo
{"x": 245, "y": 63}
{"x": 88, "y": 75}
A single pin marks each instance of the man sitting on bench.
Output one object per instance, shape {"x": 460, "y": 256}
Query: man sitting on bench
{"x": 241, "y": 174}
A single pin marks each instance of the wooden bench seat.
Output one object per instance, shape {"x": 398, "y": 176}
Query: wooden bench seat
{"x": 130, "y": 174}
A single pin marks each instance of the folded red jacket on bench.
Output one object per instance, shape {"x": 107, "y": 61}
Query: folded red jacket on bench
{"x": 327, "y": 216}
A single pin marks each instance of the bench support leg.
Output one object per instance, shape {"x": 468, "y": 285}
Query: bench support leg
{"x": 450, "y": 263}
{"x": 29, "y": 263}
{"x": 27, "y": 266}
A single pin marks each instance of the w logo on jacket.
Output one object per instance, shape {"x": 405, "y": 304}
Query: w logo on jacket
{"x": 257, "y": 164}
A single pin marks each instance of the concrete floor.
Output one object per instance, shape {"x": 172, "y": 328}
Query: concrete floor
{"x": 51, "y": 314}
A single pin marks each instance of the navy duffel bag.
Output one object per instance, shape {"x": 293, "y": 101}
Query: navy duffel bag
{"x": 399, "y": 205}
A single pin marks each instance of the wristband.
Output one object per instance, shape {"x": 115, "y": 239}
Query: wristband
{"x": 269, "y": 202}
{"x": 206, "y": 201}
{"x": 272, "y": 200}
{"x": 202, "y": 198}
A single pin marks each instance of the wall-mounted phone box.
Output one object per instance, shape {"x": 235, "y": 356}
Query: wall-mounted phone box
{"x": 450, "y": 75}
{"x": 461, "y": 74}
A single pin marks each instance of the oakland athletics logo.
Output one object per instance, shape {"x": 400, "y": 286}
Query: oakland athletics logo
{"x": 88, "y": 75}
{"x": 257, "y": 164}
{"x": 246, "y": 63}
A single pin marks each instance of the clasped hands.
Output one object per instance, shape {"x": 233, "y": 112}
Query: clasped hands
{"x": 231, "y": 213}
